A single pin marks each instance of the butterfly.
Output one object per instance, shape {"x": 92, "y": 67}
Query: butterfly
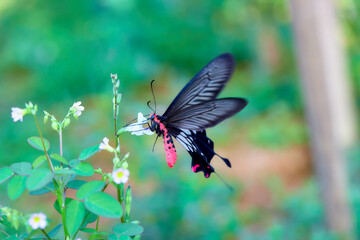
{"x": 193, "y": 110}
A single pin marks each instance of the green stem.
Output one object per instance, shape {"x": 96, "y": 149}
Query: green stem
{"x": 97, "y": 223}
{"x": 42, "y": 141}
{"x": 118, "y": 195}
{"x": 45, "y": 234}
{"x": 62, "y": 211}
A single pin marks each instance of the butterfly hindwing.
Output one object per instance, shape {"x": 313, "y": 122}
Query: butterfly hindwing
{"x": 200, "y": 148}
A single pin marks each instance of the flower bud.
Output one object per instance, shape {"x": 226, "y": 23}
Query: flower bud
{"x": 125, "y": 165}
{"x": 116, "y": 161}
{"x": 55, "y": 126}
{"x": 66, "y": 122}
{"x": 46, "y": 117}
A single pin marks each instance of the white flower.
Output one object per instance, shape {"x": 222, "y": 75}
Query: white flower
{"x": 114, "y": 76}
{"x": 137, "y": 128}
{"x": 17, "y": 114}
{"x": 105, "y": 145}
{"x": 77, "y": 108}
{"x": 120, "y": 175}
{"x": 37, "y": 220}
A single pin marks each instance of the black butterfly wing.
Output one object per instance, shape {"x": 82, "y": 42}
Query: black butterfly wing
{"x": 205, "y": 86}
{"x": 200, "y": 148}
{"x": 205, "y": 115}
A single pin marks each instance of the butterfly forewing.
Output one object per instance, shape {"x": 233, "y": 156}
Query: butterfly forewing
{"x": 207, "y": 114}
{"x": 205, "y": 86}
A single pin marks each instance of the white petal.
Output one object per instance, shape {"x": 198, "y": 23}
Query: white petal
{"x": 106, "y": 141}
{"x": 141, "y": 118}
{"x": 124, "y": 179}
{"x": 126, "y": 172}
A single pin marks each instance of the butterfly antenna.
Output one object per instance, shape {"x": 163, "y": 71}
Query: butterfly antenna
{"x": 225, "y": 182}
{"x": 152, "y": 90}
{"x": 155, "y": 142}
{"x": 148, "y": 104}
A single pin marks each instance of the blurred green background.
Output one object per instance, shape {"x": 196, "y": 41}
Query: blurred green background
{"x": 54, "y": 53}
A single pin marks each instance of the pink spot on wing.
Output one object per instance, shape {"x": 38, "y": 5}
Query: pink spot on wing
{"x": 208, "y": 167}
{"x": 207, "y": 175}
{"x": 195, "y": 167}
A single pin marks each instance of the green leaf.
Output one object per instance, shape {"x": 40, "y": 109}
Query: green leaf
{"x": 54, "y": 231}
{"x": 38, "y": 161}
{"x": 75, "y": 213}
{"x": 56, "y": 204}
{"x": 103, "y": 204}
{"x": 38, "y": 179}
{"x": 76, "y": 184}
{"x": 89, "y": 188}
{"x": 88, "y": 152}
{"x": 5, "y": 174}
{"x": 45, "y": 189}
{"x": 21, "y": 168}
{"x": 59, "y": 158}
{"x": 113, "y": 237}
{"x": 129, "y": 229}
{"x": 73, "y": 163}
{"x": 16, "y": 186}
{"x": 36, "y": 143}
{"x": 89, "y": 219}
{"x": 64, "y": 171}
{"x": 84, "y": 169}
{"x": 88, "y": 230}
{"x": 99, "y": 235}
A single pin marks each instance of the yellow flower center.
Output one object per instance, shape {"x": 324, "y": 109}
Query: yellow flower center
{"x": 36, "y": 219}
{"x": 120, "y": 174}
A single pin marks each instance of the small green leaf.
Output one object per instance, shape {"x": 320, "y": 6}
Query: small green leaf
{"x": 59, "y": 158}
{"x": 54, "y": 231}
{"x": 99, "y": 235}
{"x": 75, "y": 213}
{"x": 38, "y": 161}
{"x": 36, "y": 143}
{"x": 88, "y": 230}
{"x": 56, "y": 204}
{"x": 64, "y": 171}
{"x": 38, "y": 179}
{"x": 16, "y": 186}
{"x": 21, "y": 168}
{"x": 84, "y": 169}
{"x": 73, "y": 163}
{"x": 88, "y": 152}
{"x": 103, "y": 204}
{"x": 89, "y": 188}
{"x": 76, "y": 184}
{"x": 45, "y": 189}
{"x": 5, "y": 174}
{"x": 129, "y": 229}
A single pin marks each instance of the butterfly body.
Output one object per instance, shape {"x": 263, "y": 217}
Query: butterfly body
{"x": 160, "y": 129}
{"x": 193, "y": 110}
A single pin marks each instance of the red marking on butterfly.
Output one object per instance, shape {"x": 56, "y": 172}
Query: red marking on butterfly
{"x": 169, "y": 146}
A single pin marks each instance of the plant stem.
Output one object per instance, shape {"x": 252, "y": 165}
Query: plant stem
{"x": 97, "y": 223}
{"x": 45, "y": 234}
{"x": 42, "y": 141}
{"x": 60, "y": 141}
{"x": 63, "y": 214}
